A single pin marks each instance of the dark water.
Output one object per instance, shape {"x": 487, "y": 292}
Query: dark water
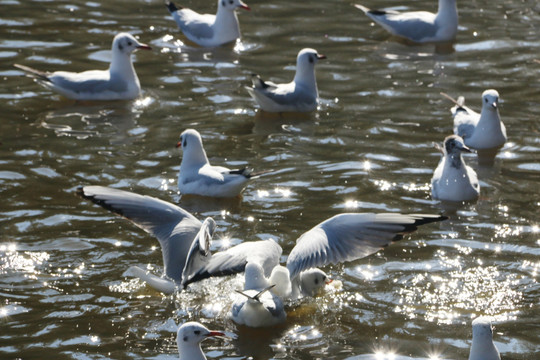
{"x": 368, "y": 148}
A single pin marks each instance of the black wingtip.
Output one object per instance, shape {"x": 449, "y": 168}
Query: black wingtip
{"x": 170, "y": 5}
{"x": 377, "y": 12}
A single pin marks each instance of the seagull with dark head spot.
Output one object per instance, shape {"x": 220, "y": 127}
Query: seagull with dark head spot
{"x": 453, "y": 180}
{"x": 119, "y": 82}
{"x": 209, "y": 30}
{"x": 198, "y": 177}
{"x": 189, "y": 337}
{"x": 482, "y": 131}
{"x": 419, "y": 26}
{"x": 341, "y": 238}
{"x": 300, "y": 95}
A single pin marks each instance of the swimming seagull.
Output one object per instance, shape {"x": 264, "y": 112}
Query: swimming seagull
{"x": 258, "y": 308}
{"x": 342, "y": 238}
{"x": 189, "y": 338}
{"x": 119, "y": 82}
{"x": 209, "y": 30}
{"x": 482, "y": 347}
{"x": 479, "y": 131}
{"x": 300, "y": 95}
{"x": 184, "y": 240}
{"x": 453, "y": 180}
{"x": 419, "y": 26}
{"x": 198, "y": 177}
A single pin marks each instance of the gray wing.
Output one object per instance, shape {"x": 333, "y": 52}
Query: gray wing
{"x": 197, "y": 25}
{"x": 174, "y": 227}
{"x": 86, "y": 84}
{"x": 415, "y": 25}
{"x": 234, "y": 260}
{"x": 465, "y": 121}
{"x": 348, "y": 237}
{"x": 286, "y": 94}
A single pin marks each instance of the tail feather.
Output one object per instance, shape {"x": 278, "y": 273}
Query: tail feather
{"x": 37, "y": 74}
{"x": 257, "y": 296}
{"x": 258, "y": 83}
{"x": 171, "y": 6}
{"x": 249, "y": 173}
{"x": 374, "y": 12}
{"x": 460, "y": 102}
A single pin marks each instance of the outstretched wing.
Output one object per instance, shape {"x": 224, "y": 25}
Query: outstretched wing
{"x": 174, "y": 227}
{"x": 348, "y": 237}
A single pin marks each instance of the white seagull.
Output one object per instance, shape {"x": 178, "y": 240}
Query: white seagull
{"x": 342, "y": 238}
{"x": 184, "y": 240}
{"x": 119, "y": 82}
{"x": 300, "y": 95}
{"x": 419, "y": 26}
{"x": 258, "y": 308}
{"x": 189, "y": 338}
{"x": 479, "y": 131}
{"x": 209, "y": 30}
{"x": 482, "y": 347}
{"x": 453, "y": 180}
{"x": 198, "y": 177}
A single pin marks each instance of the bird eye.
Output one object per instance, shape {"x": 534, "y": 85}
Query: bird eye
{"x": 231, "y": 2}
{"x": 130, "y": 43}
{"x": 316, "y": 281}
{"x": 184, "y": 144}
{"x": 486, "y": 100}
{"x": 197, "y": 332}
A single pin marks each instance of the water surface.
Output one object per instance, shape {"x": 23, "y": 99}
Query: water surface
{"x": 368, "y": 148}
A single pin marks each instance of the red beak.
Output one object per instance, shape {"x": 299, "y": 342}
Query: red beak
{"x": 178, "y": 144}
{"x": 244, "y": 6}
{"x": 144, "y": 47}
{"x": 321, "y": 56}
{"x": 215, "y": 333}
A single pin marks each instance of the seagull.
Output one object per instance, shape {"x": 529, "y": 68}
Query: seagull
{"x": 419, "y": 26}
{"x": 119, "y": 82}
{"x": 300, "y": 95}
{"x": 453, "y": 180}
{"x": 184, "y": 240}
{"x": 482, "y": 347}
{"x": 479, "y": 131}
{"x": 258, "y": 308}
{"x": 341, "y": 238}
{"x": 189, "y": 338}
{"x": 209, "y": 30}
{"x": 198, "y": 177}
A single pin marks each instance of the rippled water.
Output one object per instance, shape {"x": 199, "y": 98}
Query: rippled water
{"x": 368, "y": 148}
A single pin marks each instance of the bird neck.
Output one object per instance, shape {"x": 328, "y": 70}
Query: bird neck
{"x": 226, "y": 24}
{"x": 194, "y": 156}
{"x": 191, "y": 352}
{"x": 483, "y": 349}
{"x": 306, "y": 77}
{"x": 489, "y": 118}
{"x": 121, "y": 64}
{"x": 447, "y": 9}
{"x": 454, "y": 160}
